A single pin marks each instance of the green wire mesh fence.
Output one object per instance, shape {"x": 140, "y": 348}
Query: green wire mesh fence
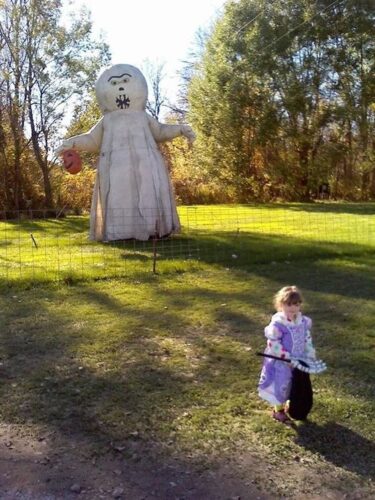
{"x": 47, "y": 245}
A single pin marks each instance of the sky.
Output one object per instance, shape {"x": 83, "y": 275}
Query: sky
{"x": 161, "y": 31}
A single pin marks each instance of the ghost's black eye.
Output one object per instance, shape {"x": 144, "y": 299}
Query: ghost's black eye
{"x": 113, "y": 82}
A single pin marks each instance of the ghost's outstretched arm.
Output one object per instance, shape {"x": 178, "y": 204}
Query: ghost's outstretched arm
{"x": 163, "y": 132}
{"x": 90, "y": 142}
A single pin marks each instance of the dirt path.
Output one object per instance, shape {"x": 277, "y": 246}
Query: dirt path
{"x": 49, "y": 467}
{"x": 37, "y": 464}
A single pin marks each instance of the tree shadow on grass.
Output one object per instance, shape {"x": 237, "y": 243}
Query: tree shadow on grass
{"x": 289, "y": 257}
{"x": 246, "y": 248}
{"x": 65, "y": 226}
{"x": 340, "y": 446}
{"x": 40, "y": 356}
{"x": 123, "y": 391}
{"x": 325, "y": 276}
{"x": 124, "y": 404}
{"x": 132, "y": 373}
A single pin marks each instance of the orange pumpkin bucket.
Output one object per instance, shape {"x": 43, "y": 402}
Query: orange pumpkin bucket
{"x": 72, "y": 161}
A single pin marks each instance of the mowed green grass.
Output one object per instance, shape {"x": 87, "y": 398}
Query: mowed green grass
{"x": 59, "y": 249}
{"x": 168, "y": 360}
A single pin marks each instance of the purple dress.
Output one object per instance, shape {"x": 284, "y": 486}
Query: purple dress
{"x": 284, "y": 339}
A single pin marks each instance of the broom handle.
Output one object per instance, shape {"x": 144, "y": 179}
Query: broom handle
{"x": 273, "y": 357}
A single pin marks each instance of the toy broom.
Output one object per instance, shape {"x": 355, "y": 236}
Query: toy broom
{"x": 301, "y": 393}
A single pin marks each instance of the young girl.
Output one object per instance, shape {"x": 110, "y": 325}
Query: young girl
{"x": 288, "y": 334}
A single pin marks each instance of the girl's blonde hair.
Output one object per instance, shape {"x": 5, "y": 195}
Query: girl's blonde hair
{"x": 287, "y": 295}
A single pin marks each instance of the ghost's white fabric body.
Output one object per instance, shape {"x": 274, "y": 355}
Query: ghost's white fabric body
{"x": 133, "y": 196}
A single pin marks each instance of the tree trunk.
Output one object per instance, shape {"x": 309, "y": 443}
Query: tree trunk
{"x": 40, "y": 158}
{"x": 43, "y": 164}
{"x": 303, "y": 153}
{"x": 16, "y": 189}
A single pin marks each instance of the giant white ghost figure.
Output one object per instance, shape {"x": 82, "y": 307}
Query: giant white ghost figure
{"x": 133, "y": 196}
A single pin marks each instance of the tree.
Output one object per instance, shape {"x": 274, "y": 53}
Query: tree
{"x": 154, "y": 73}
{"x": 282, "y": 98}
{"x": 44, "y": 66}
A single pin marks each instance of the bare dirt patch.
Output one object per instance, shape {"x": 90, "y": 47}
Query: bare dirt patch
{"x": 39, "y": 464}
{"x": 51, "y": 466}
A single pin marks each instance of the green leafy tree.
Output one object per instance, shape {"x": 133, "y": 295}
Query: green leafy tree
{"x": 282, "y": 98}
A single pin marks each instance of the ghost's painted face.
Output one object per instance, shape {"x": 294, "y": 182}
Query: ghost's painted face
{"x": 122, "y": 87}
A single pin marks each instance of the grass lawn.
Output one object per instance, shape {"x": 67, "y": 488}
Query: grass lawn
{"x": 42, "y": 250}
{"x": 169, "y": 358}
